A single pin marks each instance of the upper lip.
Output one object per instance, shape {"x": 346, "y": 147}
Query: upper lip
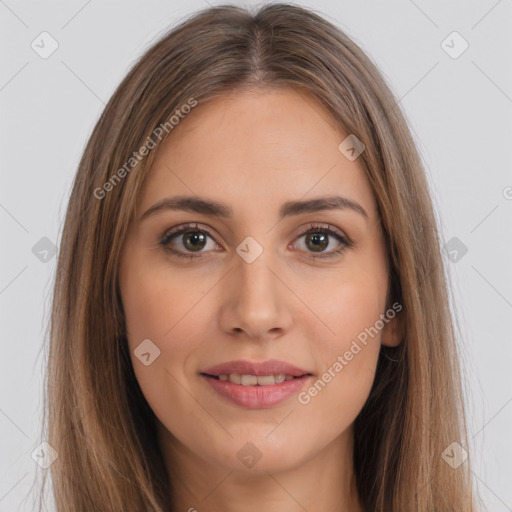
{"x": 269, "y": 367}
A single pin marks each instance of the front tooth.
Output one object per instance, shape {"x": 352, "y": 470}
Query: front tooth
{"x": 249, "y": 380}
{"x": 235, "y": 378}
{"x": 253, "y": 380}
{"x": 266, "y": 380}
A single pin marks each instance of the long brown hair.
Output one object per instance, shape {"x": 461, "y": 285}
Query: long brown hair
{"x": 95, "y": 414}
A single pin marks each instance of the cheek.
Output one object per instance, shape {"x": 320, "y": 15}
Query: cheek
{"x": 349, "y": 350}
{"x": 350, "y": 309}
{"x": 352, "y": 315}
{"x": 347, "y": 372}
{"x": 160, "y": 306}
{"x": 156, "y": 302}
{"x": 165, "y": 307}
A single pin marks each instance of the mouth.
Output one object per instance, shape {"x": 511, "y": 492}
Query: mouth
{"x": 256, "y": 384}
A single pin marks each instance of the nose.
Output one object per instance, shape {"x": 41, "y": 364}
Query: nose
{"x": 256, "y": 301}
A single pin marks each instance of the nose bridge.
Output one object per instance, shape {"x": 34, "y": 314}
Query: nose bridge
{"x": 257, "y": 304}
{"x": 254, "y": 276}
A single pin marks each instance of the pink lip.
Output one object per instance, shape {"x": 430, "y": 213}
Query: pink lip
{"x": 269, "y": 367}
{"x": 256, "y": 397}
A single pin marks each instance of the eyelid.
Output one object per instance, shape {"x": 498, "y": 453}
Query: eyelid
{"x": 324, "y": 226}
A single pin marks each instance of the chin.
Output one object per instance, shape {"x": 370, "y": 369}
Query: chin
{"x": 257, "y": 454}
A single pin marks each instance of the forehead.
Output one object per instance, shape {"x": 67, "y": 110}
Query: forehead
{"x": 254, "y": 148}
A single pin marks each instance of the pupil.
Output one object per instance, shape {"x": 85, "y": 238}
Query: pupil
{"x": 196, "y": 236}
{"x": 315, "y": 238}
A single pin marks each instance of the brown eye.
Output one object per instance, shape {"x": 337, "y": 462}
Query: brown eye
{"x": 319, "y": 238}
{"x": 193, "y": 240}
{"x": 187, "y": 239}
{"x": 317, "y": 241}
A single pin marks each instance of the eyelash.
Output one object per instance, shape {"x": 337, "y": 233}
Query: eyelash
{"x": 313, "y": 228}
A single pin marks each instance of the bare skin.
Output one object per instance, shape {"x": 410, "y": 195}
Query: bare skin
{"x": 254, "y": 151}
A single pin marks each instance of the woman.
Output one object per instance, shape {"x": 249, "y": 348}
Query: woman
{"x": 250, "y": 310}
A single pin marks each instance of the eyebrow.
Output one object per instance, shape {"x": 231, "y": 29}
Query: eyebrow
{"x": 204, "y": 206}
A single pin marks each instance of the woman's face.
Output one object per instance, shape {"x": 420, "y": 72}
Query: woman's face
{"x": 254, "y": 280}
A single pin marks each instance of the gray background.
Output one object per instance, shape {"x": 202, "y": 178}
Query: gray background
{"x": 460, "y": 110}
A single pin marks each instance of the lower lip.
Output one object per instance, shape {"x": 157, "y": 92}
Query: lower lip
{"x": 257, "y": 397}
